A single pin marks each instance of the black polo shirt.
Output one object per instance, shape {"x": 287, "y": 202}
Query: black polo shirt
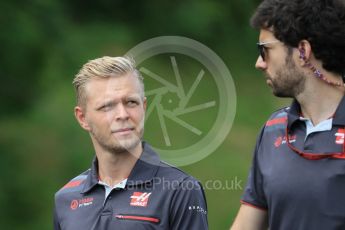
{"x": 156, "y": 196}
{"x": 299, "y": 179}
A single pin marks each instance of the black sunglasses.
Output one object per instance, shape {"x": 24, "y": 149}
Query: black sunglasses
{"x": 262, "y": 48}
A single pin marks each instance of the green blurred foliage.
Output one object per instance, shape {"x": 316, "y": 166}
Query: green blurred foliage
{"x": 44, "y": 43}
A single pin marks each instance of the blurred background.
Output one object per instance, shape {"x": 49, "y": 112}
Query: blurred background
{"x": 43, "y": 45}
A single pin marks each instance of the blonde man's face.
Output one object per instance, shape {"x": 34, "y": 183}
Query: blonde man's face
{"x": 115, "y": 112}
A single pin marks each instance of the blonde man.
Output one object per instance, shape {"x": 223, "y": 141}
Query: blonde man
{"x": 127, "y": 186}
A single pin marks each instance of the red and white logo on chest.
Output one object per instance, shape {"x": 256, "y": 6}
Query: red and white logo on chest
{"x": 140, "y": 199}
{"x": 282, "y": 140}
{"x": 340, "y": 136}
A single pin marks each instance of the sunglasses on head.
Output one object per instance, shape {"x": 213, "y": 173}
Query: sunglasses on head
{"x": 262, "y": 48}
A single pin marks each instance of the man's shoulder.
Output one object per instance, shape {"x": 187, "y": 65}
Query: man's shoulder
{"x": 74, "y": 185}
{"x": 165, "y": 170}
{"x": 174, "y": 174}
{"x": 278, "y": 117}
{"x": 282, "y": 112}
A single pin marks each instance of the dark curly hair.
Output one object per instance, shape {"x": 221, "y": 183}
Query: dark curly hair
{"x": 321, "y": 22}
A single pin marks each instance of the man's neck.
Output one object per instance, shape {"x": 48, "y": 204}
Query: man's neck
{"x": 115, "y": 167}
{"x": 320, "y": 103}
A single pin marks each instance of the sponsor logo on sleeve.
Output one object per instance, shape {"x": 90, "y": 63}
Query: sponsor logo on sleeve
{"x": 196, "y": 208}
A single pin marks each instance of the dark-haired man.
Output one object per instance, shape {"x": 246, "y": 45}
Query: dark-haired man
{"x": 297, "y": 179}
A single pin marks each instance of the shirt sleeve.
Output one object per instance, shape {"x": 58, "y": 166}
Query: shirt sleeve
{"x": 56, "y": 220}
{"x": 188, "y": 207}
{"x": 254, "y": 193}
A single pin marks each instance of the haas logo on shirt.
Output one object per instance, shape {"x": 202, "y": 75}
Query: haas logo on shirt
{"x": 340, "y": 136}
{"x": 140, "y": 199}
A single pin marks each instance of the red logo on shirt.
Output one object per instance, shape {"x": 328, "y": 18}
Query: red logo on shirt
{"x": 340, "y": 136}
{"x": 278, "y": 142}
{"x": 74, "y": 204}
{"x": 282, "y": 140}
{"x": 81, "y": 203}
{"x": 140, "y": 199}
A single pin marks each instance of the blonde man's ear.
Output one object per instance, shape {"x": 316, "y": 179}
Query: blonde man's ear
{"x": 80, "y": 116}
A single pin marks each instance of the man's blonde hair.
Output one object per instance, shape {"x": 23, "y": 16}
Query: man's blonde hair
{"x": 104, "y": 67}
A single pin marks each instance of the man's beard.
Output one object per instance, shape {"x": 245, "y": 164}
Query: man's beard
{"x": 116, "y": 145}
{"x": 288, "y": 80}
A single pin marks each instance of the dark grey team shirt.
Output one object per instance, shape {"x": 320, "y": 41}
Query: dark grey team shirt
{"x": 156, "y": 196}
{"x": 299, "y": 193}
